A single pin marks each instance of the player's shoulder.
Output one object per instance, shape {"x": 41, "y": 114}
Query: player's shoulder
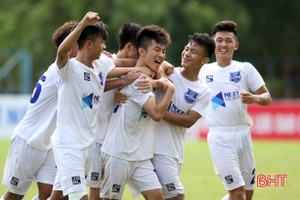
{"x": 241, "y": 64}
{"x": 205, "y": 90}
{"x": 209, "y": 65}
{"x": 104, "y": 63}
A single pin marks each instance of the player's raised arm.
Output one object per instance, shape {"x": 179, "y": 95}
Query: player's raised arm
{"x": 70, "y": 41}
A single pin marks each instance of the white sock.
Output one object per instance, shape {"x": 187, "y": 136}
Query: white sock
{"x": 34, "y": 198}
{"x": 226, "y": 197}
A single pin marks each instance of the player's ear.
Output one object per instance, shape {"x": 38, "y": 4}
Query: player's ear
{"x": 128, "y": 45}
{"x": 205, "y": 60}
{"x": 236, "y": 46}
{"x": 88, "y": 44}
{"x": 142, "y": 51}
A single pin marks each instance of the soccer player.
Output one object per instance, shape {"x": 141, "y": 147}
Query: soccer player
{"x": 81, "y": 85}
{"x": 127, "y": 49}
{"x": 128, "y": 146}
{"x": 229, "y": 136}
{"x": 188, "y": 104}
{"x": 30, "y": 156}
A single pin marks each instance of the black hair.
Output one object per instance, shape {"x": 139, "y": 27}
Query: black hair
{"x": 203, "y": 39}
{"x": 91, "y": 32}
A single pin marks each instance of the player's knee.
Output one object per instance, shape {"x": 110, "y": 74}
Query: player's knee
{"x": 77, "y": 195}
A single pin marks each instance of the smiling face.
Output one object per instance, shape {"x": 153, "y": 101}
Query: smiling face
{"x": 226, "y": 44}
{"x": 154, "y": 55}
{"x": 192, "y": 55}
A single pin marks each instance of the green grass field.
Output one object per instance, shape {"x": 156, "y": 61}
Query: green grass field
{"x": 200, "y": 182}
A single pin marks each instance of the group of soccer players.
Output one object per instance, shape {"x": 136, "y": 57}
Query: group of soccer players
{"x": 74, "y": 136}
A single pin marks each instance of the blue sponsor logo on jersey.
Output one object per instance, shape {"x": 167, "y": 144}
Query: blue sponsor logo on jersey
{"x": 101, "y": 78}
{"x": 228, "y": 96}
{"x": 190, "y": 96}
{"x": 235, "y": 76}
{"x": 174, "y": 109}
{"x": 217, "y": 101}
{"x": 87, "y": 101}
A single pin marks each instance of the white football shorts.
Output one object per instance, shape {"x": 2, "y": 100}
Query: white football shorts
{"x": 26, "y": 164}
{"x": 232, "y": 155}
{"x": 72, "y": 168}
{"x": 118, "y": 172}
{"x": 168, "y": 170}
{"x": 94, "y": 177}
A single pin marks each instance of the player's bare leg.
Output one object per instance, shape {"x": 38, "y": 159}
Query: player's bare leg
{"x": 57, "y": 195}
{"x": 178, "y": 197}
{"x": 249, "y": 194}
{"x": 11, "y": 196}
{"x": 44, "y": 191}
{"x": 237, "y": 194}
{"x": 155, "y": 194}
{"x": 94, "y": 194}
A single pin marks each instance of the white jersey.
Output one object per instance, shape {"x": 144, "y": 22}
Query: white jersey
{"x": 130, "y": 136}
{"x": 226, "y": 108}
{"x": 189, "y": 95}
{"x": 106, "y": 107}
{"x": 80, "y": 92}
{"x": 39, "y": 122}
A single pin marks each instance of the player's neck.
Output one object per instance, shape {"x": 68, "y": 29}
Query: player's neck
{"x": 84, "y": 60}
{"x": 224, "y": 63}
{"x": 141, "y": 63}
{"x": 191, "y": 75}
{"x": 121, "y": 54}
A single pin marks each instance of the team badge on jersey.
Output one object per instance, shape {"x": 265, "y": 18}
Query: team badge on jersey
{"x": 235, "y": 76}
{"x": 217, "y": 101}
{"x": 209, "y": 78}
{"x": 190, "y": 96}
{"x": 87, "y": 76}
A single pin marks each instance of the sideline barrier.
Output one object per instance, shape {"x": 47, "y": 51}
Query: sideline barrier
{"x": 12, "y": 110}
{"x": 280, "y": 120}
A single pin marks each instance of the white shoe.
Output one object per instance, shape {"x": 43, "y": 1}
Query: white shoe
{"x": 226, "y": 197}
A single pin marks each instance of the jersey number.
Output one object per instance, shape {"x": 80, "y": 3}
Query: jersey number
{"x": 37, "y": 90}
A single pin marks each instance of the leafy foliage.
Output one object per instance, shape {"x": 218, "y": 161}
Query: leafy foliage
{"x": 267, "y": 29}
